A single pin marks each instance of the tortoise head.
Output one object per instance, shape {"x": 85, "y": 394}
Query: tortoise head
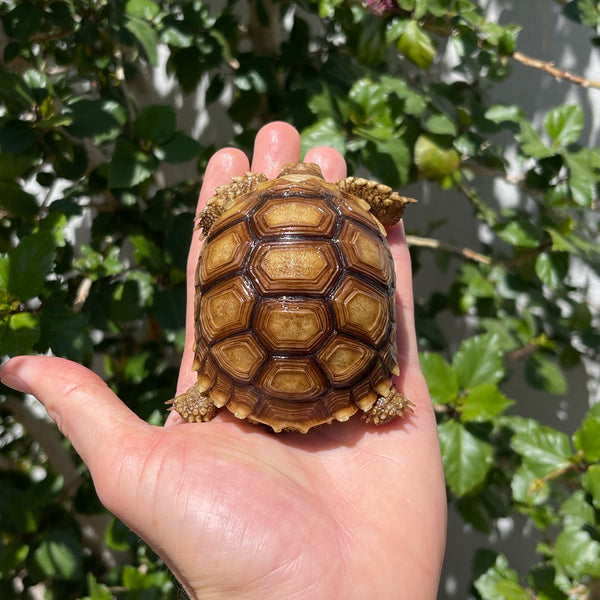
{"x": 301, "y": 168}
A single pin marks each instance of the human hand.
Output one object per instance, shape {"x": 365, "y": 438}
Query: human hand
{"x": 347, "y": 511}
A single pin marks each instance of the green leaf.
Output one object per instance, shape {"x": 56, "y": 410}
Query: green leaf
{"x": 415, "y": 44}
{"x": 146, "y": 36}
{"x": 591, "y": 484}
{"x": 531, "y": 144}
{"x": 528, "y": 488}
{"x": 484, "y": 402}
{"x": 544, "y": 374}
{"x": 564, "y": 124}
{"x": 504, "y": 113}
{"x": 578, "y": 553}
{"x": 98, "y": 591}
{"x": 467, "y": 459}
{"x": 587, "y": 438}
{"x": 519, "y": 231}
{"x": 324, "y": 132}
{"x": 143, "y": 9}
{"x": 129, "y": 166}
{"x": 441, "y": 378}
{"x": 497, "y": 575}
{"x": 552, "y": 268}
{"x": 441, "y": 125}
{"x": 100, "y": 119}
{"x": 576, "y": 510}
{"x": 155, "y": 123}
{"x": 60, "y": 556}
{"x": 29, "y": 264}
{"x": 389, "y": 162}
{"x": 180, "y": 148}
{"x": 19, "y": 333}
{"x": 65, "y": 332}
{"x": 147, "y": 253}
{"x": 15, "y": 137}
{"x": 543, "y": 450}
{"x": 479, "y": 360}
{"x": 17, "y": 201}
{"x": 434, "y": 159}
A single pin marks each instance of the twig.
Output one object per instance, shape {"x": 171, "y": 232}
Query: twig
{"x": 548, "y": 67}
{"x": 414, "y": 240}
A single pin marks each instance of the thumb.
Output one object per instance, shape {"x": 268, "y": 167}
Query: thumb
{"x": 76, "y": 399}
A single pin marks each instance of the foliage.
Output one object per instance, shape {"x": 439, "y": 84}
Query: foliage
{"x": 93, "y": 244}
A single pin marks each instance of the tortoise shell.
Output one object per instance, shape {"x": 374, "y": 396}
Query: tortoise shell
{"x": 295, "y": 306}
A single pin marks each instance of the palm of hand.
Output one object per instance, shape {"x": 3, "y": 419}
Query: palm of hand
{"x": 345, "y": 511}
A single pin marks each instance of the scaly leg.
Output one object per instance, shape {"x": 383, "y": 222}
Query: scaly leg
{"x": 388, "y": 206}
{"x": 387, "y": 408}
{"x": 193, "y": 406}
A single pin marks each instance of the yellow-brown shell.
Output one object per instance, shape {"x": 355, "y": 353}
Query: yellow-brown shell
{"x": 294, "y": 311}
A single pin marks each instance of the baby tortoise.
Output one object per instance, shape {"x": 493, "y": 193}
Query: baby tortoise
{"x": 295, "y": 302}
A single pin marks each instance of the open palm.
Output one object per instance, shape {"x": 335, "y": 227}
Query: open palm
{"x": 347, "y": 511}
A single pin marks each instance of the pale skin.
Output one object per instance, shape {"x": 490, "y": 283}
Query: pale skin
{"x": 347, "y": 511}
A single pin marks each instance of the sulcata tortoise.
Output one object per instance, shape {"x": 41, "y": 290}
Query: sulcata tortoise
{"x": 295, "y": 302}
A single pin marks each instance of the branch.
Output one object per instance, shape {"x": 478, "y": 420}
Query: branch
{"x": 414, "y": 240}
{"x": 548, "y": 67}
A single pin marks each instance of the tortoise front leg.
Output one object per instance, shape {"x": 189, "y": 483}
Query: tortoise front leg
{"x": 388, "y": 206}
{"x": 387, "y": 408}
{"x": 225, "y": 195}
{"x": 193, "y": 405}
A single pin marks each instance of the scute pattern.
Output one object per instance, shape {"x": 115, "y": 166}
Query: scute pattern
{"x": 295, "y": 307}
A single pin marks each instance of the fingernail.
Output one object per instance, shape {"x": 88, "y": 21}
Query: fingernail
{"x": 16, "y": 383}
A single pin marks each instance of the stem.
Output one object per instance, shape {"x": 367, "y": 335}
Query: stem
{"x": 414, "y": 240}
{"x": 548, "y": 67}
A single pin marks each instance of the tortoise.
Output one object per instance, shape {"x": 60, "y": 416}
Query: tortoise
{"x": 295, "y": 321}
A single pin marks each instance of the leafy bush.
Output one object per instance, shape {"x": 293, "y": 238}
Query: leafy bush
{"x": 98, "y": 186}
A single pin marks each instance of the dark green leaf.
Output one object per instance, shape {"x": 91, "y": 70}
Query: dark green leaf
{"x": 545, "y": 374}
{"x": 180, "y": 148}
{"x": 15, "y": 137}
{"x": 129, "y": 166}
{"x": 66, "y": 333}
{"x": 29, "y": 264}
{"x": 101, "y": 119}
{"x": 17, "y": 201}
{"x": 60, "y": 556}
{"x": 155, "y": 124}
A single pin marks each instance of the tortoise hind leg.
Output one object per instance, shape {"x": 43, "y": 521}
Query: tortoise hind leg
{"x": 225, "y": 195}
{"x": 193, "y": 406}
{"x": 388, "y": 206}
{"x": 387, "y": 408}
